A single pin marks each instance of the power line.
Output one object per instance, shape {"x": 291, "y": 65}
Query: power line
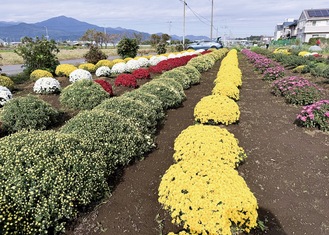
{"x": 200, "y": 17}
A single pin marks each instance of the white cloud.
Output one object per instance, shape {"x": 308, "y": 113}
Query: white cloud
{"x": 238, "y": 18}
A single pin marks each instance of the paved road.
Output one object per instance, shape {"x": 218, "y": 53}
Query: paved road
{"x": 17, "y": 68}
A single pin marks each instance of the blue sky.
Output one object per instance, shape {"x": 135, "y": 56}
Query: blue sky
{"x": 236, "y": 18}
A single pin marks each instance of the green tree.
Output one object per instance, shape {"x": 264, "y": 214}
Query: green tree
{"x": 155, "y": 39}
{"x": 161, "y": 48}
{"x": 138, "y": 37}
{"x": 38, "y": 54}
{"x": 127, "y": 47}
{"x": 165, "y": 37}
{"x": 99, "y": 38}
{"x": 94, "y": 55}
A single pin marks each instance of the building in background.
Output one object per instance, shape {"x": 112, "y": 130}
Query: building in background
{"x": 286, "y": 30}
{"x": 313, "y": 23}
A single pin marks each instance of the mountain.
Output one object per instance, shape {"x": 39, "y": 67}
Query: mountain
{"x": 65, "y": 28}
{"x": 4, "y": 23}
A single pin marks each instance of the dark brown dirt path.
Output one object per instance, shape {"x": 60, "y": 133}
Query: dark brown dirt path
{"x": 288, "y": 166}
{"x": 286, "y": 169}
{"x": 133, "y": 207}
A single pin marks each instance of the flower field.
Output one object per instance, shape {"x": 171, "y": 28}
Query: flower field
{"x": 260, "y": 132}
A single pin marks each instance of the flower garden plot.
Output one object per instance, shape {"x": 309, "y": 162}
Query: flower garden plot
{"x": 87, "y": 119}
{"x": 134, "y": 209}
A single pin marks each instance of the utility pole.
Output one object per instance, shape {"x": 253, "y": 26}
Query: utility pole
{"x": 184, "y": 26}
{"x": 169, "y": 22}
{"x": 212, "y": 18}
{"x": 47, "y": 36}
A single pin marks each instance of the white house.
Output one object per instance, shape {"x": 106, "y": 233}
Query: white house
{"x": 313, "y": 23}
{"x": 3, "y": 43}
{"x": 286, "y": 30}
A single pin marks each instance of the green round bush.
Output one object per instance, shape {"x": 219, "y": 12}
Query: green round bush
{"x": 27, "y": 112}
{"x": 178, "y": 76}
{"x": 169, "y": 91}
{"x": 201, "y": 63}
{"x": 191, "y": 72}
{"x": 127, "y": 47}
{"x": 83, "y": 95}
{"x": 117, "y": 137}
{"x": 45, "y": 177}
{"x": 151, "y": 100}
{"x": 173, "y": 84}
{"x": 142, "y": 115}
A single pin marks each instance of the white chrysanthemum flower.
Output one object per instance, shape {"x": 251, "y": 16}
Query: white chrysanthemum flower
{"x": 103, "y": 71}
{"x": 5, "y": 95}
{"x": 162, "y": 57}
{"x": 46, "y": 85}
{"x": 171, "y": 55}
{"x": 79, "y": 74}
{"x": 120, "y": 67}
{"x": 179, "y": 55}
{"x": 154, "y": 60}
{"x": 132, "y": 65}
{"x": 199, "y": 51}
{"x": 143, "y": 62}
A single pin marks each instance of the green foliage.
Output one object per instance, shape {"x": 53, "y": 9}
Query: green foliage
{"x": 20, "y": 77}
{"x": 142, "y": 115}
{"x": 170, "y": 92}
{"x": 127, "y": 48}
{"x": 6, "y": 82}
{"x": 161, "y": 48}
{"x": 38, "y": 54}
{"x": 319, "y": 69}
{"x": 27, "y": 112}
{"x": 179, "y": 47}
{"x": 202, "y": 63}
{"x": 152, "y": 101}
{"x": 45, "y": 177}
{"x": 117, "y": 137}
{"x": 291, "y": 60}
{"x": 94, "y": 55}
{"x": 191, "y": 72}
{"x": 178, "y": 76}
{"x": 83, "y": 94}
{"x": 315, "y": 115}
{"x": 297, "y": 90}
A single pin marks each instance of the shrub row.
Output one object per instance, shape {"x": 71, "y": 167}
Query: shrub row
{"x": 300, "y": 91}
{"x": 84, "y": 94}
{"x": 270, "y": 69}
{"x": 47, "y": 177}
{"x": 305, "y": 62}
{"x": 297, "y": 90}
{"x": 219, "y": 108}
{"x": 206, "y": 157}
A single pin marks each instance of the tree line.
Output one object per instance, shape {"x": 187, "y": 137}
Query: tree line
{"x": 103, "y": 39}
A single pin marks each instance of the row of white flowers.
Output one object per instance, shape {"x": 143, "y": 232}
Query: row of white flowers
{"x": 48, "y": 85}
{"x": 5, "y": 95}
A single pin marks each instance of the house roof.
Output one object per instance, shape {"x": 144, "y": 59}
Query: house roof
{"x": 287, "y": 24}
{"x": 316, "y": 13}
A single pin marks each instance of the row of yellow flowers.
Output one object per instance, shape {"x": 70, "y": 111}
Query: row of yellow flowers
{"x": 202, "y": 191}
{"x": 66, "y": 69}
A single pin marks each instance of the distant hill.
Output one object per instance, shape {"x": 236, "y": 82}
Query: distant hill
{"x": 65, "y": 28}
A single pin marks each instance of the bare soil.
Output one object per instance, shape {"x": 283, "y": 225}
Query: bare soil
{"x": 286, "y": 169}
